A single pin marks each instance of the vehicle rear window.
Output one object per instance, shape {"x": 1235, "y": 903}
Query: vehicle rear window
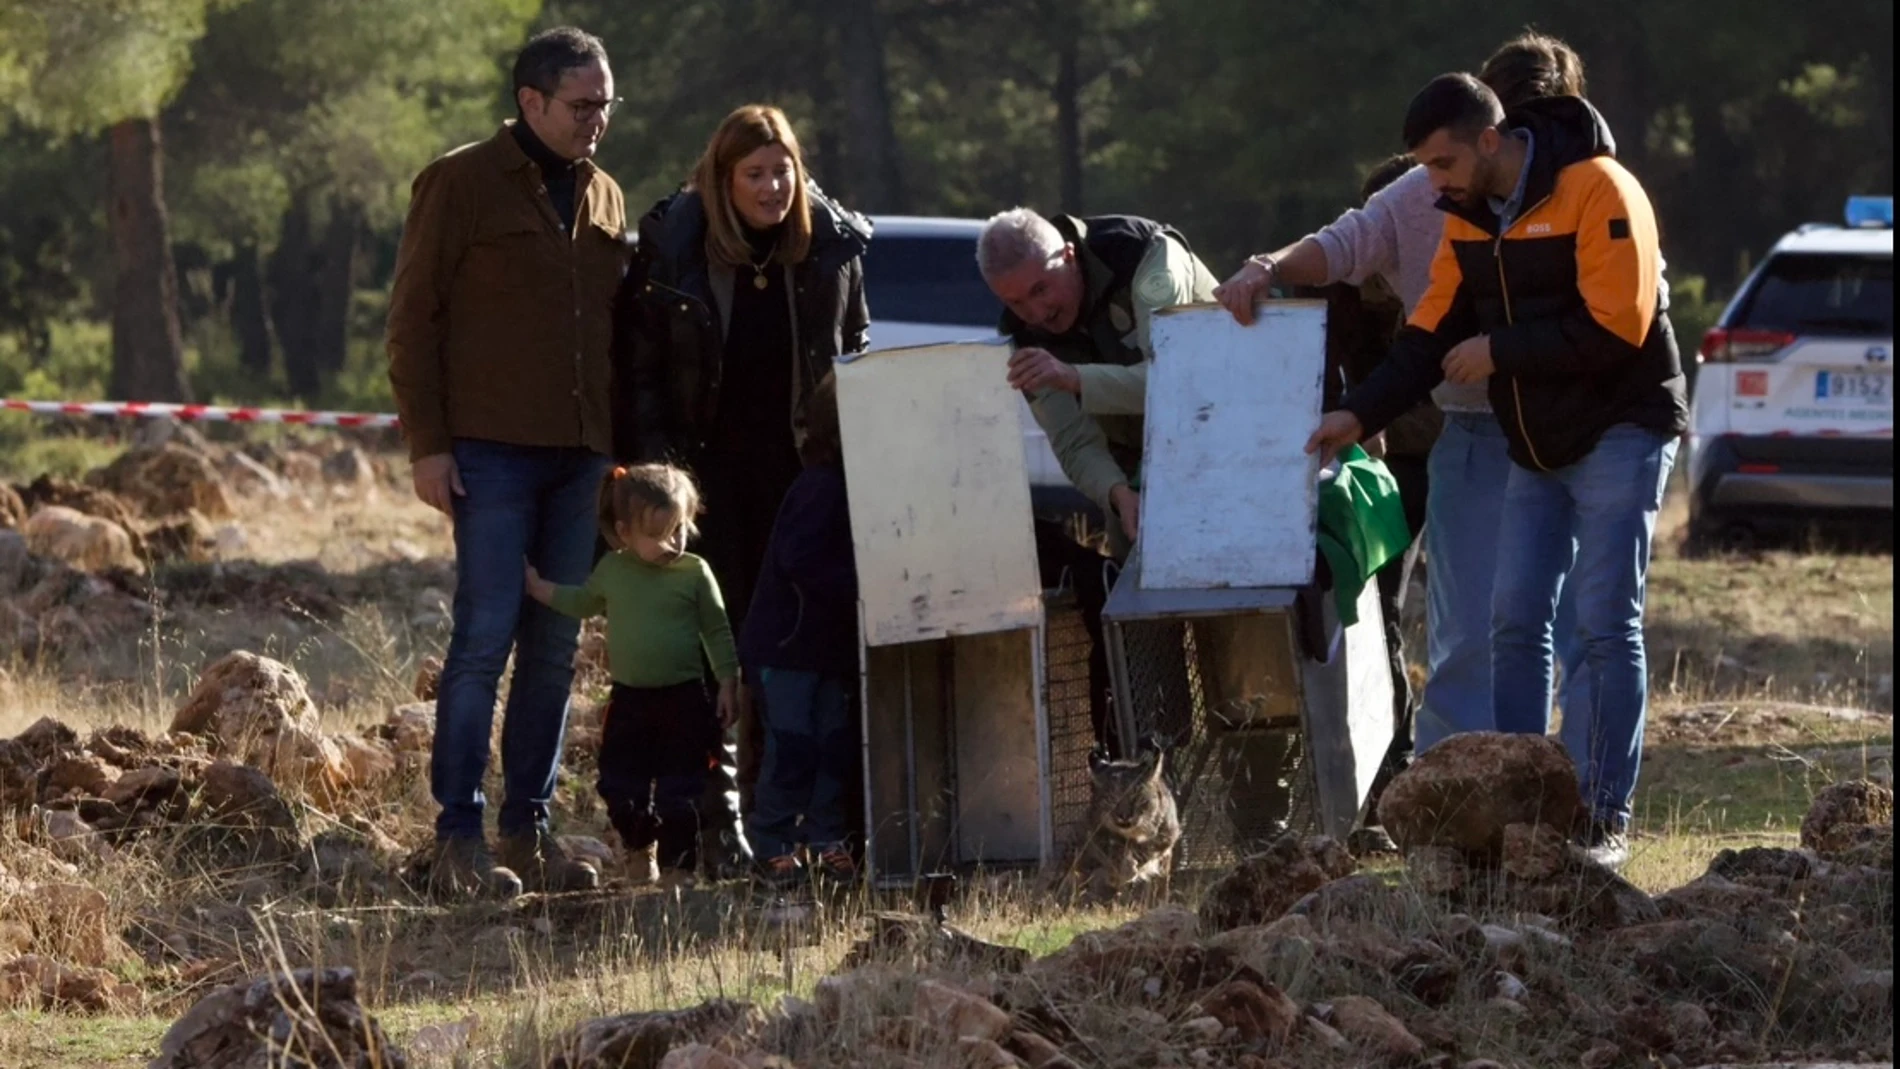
{"x": 1825, "y": 294}
{"x": 927, "y": 280}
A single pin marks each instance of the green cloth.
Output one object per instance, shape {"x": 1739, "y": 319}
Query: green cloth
{"x": 1361, "y": 527}
{"x": 659, "y": 616}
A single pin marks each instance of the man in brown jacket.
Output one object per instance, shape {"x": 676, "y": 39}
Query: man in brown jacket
{"x": 499, "y": 325}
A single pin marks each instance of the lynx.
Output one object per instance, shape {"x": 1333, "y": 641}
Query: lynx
{"x": 1133, "y": 828}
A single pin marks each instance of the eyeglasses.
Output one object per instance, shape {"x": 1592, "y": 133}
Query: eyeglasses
{"x": 586, "y": 109}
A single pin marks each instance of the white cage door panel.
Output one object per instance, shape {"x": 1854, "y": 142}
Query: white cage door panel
{"x": 940, "y": 513}
{"x": 1229, "y": 496}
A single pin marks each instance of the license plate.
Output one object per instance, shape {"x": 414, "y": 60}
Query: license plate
{"x": 1863, "y": 387}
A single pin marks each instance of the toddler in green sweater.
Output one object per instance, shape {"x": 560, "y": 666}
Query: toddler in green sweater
{"x": 663, "y": 609}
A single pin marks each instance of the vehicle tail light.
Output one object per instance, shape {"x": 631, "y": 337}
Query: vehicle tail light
{"x": 1740, "y": 345}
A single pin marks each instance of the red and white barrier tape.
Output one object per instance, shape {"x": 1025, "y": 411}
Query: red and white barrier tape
{"x": 201, "y": 413}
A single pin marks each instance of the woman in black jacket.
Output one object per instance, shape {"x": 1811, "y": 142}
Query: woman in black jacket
{"x": 752, "y": 285}
{"x": 750, "y": 282}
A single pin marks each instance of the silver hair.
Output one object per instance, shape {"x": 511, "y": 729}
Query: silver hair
{"x": 1012, "y": 238}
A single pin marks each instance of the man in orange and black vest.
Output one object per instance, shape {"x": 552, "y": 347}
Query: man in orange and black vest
{"x": 1546, "y": 289}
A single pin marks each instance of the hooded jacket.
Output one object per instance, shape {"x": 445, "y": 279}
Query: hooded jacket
{"x": 1570, "y": 295}
{"x": 671, "y": 314}
{"x": 804, "y": 612}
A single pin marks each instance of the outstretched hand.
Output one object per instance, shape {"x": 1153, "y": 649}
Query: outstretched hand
{"x": 1337, "y": 430}
{"x": 1033, "y": 370}
{"x": 1240, "y": 293}
{"x": 541, "y": 590}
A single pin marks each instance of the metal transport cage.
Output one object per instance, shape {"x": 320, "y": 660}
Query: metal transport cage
{"x": 1276, "y": 716}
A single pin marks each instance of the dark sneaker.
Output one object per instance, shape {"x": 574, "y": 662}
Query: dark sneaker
{"x": 780, "y": 872}
{"x": 836, "y": 864}
{"x": 544, "y": 865}
{"x": 1607, "y": 844}
{"x": 462, "y": 868}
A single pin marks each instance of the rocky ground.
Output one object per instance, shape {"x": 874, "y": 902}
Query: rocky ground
{"x": 236, "y": 853}
{"x": 1497, "y": 939}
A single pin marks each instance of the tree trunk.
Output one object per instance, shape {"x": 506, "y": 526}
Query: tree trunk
{"x": 336, "y": 284}
{"x": 293, "y": 301}
{"x": 148, "y": 348}
{"x": 871, "y": 137}
{"x": 1068, "y": 90}
{"x": 249, "y": 321}
{"x": 312, "y": 276}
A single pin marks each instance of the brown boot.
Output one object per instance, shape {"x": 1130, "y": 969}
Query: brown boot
{"x": 462, "y": 868}
{"x": 544, "y": 866}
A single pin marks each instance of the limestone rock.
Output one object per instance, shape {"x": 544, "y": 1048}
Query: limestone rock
{"x": 12, "y": 508}
{"x": 958, "y": 1013}
{"x": 301, "y": 466}
{"x": 247, "y": 476}
{"x": 1258, "y": 1011}
{"x": 429, "y": 681}
{"x": 146, "y": 787}
{"x": 1855, "y": 802}
{"x": 308, "y": 1009}
{"x": 89, "y": 500}
{"x": 1266, "y": 885}
{"x": 84, "y": 773}
{"x": 1037, "y": 1052}
{"x": 411, "y": 728}
{"x": 642, "y": 1040}
{"x": 87, "y": 543}
{"x": 241, "y": 821}
{"x": 1463, "y": 792}
{"x": 259, "y": 711}
{"x": 1868, "y": 845}
{"x": 188, "y": 538}
{"x": 349, "y": 470}
{"x": 168, "y": 480}
{"x": 367, "y": 762}
{"x": 1366, "y": 1023}
{"x": 1535, "y": 851}
{"x": 52, "y": 985}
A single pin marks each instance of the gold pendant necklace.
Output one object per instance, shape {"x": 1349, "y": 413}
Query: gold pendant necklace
{"x": 759, "y": 281}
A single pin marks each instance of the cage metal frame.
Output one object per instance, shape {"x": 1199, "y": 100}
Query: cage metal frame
{"x": 1316, "y": 800}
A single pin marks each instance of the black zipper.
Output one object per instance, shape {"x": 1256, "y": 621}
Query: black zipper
{"x": 1504, "y": 288}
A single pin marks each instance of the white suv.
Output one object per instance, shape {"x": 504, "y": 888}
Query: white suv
{"x": 1792, "y": 417}
{"x": 921, "y": 281}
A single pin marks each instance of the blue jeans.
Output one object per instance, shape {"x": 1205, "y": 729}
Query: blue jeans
{"x": 1466, "y": 474}
{"x": 523, "y": 502}
{"x": 808, "y": 762}
{"x": 1592, "y": 522}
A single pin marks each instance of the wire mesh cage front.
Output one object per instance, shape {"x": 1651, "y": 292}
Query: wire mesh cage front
{"x": 1236, "y": 754}
{"x": 1066, "y": 653}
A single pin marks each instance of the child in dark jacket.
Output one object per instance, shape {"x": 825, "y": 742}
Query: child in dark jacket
{"x": 801, "y": 642}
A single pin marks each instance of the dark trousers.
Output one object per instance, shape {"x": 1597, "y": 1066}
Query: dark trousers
{"x": 1393, "y": 579}
{"x": 742, "y": 490}
{"x": 806, "y": 785}
{"x": 530, "y": 502}
{"x": 654, "y": 756}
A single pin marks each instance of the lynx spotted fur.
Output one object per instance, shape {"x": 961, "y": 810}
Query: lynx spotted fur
{"x": 1133, "y": 827}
